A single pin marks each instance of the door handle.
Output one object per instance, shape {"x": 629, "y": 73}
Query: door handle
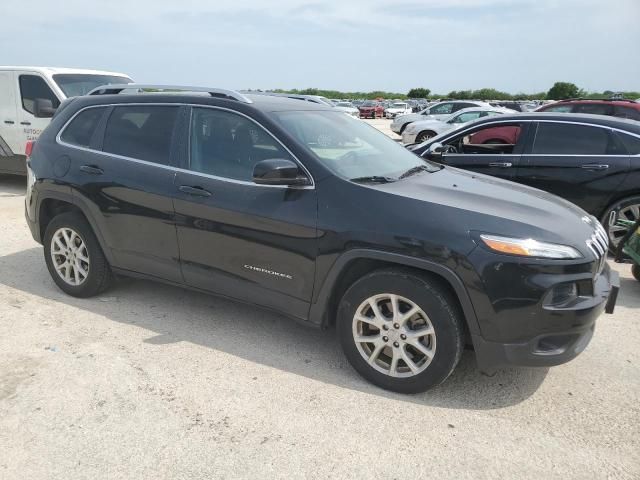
{"x": 501, "y": 164}
{"x": 595, "y": 166}
{"x": 9, "y": 122}
{"x": 91, "y": 170}
{"x": 195, "y": 191}
{"x": 25, "y": 123}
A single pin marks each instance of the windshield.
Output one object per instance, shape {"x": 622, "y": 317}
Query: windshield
{"x": 399, "y": 105}
{"x": 76, "y": 84}
{"x": 349, "y": 147}
{"x": 369, "y": 104}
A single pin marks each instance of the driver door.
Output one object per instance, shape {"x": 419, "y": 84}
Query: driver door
{"x": 492, "y": 149}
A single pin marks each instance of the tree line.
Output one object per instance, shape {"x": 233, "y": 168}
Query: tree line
{"x": 559, "y": 91}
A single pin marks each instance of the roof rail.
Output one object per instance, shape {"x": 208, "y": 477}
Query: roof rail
{"x": 214, "y": 92}
{"x": 293, "y": 96}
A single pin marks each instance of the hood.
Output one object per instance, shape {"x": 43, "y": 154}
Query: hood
{"x": 411, "y": 117}
{"x": 481, "y": 203}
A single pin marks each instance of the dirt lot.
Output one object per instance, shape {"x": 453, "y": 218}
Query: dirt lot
{"x": 150, "y": 381}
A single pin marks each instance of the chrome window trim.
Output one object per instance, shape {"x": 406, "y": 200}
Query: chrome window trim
{"x": 571, "y": 122}
{"x": 59, "y": 141}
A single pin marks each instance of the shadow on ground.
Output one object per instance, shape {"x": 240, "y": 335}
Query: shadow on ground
{"x": 177, "y": 315}
{"x": 12, "y": 185}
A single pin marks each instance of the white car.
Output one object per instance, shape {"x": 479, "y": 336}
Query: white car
{"x": 397, "y": 108}
{"x": 435, "y": 111}
{"x": 423, "y": 130}
{"x": 28, "y": 99}
{"x": 348, "y": 108}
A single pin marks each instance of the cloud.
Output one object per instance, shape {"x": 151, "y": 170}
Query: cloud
{"x": 349, "y": 44}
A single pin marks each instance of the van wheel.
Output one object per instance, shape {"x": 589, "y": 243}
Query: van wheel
{"x": 400, "y": 331}
{"x": 628, "y": 209}
{"x": 74, "y": 257}
{"x": 635, "y": 271}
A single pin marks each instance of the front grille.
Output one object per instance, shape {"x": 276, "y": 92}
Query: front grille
{"x": 599, "y": 246}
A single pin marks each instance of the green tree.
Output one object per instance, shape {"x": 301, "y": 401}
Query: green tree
{"x": 563, "y": 90}
{"x": 418, "y": 93}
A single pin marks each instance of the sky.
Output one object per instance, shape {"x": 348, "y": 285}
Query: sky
{"x": 349, "y": 45}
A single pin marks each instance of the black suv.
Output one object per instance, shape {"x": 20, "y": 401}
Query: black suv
{"x": 590, "y": 160}
{"x": 298, "y": 208}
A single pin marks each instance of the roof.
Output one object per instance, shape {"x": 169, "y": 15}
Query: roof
{"x": 604, "y": 120}
{"x": 55, "y": 70}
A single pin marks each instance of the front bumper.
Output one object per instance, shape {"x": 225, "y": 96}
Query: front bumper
{"x": 519, "y": 328}
{"x": 408, "y": 138}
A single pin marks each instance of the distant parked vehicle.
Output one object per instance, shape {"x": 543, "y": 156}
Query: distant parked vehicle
{"x": 515, "y": 106}
{"x": 371, "y": 109}
{"x": 348, "y": 108}
{"x": 589, "y": 160}
{"x": 615, "y": 108}
{"x": 435, "y": 111}
{"x": 397, "y": 108}
{"x": 29, "y": 96}
{"x": 423, "y": 130}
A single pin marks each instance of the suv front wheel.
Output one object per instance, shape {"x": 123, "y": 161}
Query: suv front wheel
{"x": 400, "y": 331}
{"x": 74, "y": 257}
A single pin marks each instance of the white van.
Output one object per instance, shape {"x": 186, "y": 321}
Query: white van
{"x": 29, "y": 97}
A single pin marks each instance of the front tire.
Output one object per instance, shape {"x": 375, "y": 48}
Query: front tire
{"x": 635, "y": 271}
{"x": 400, "y": 331}
{"x": 424, "y": 136}
{"x": 74, "y": 258}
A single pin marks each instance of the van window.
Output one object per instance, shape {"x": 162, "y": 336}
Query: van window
{"x": 80, "y": 130}
{"x": 142, "y": 132}
{"x": 32, "y": 87}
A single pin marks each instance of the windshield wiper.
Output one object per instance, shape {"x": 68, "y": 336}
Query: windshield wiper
{"x": 373, "y": 179}
{"x": 414, "y": 170}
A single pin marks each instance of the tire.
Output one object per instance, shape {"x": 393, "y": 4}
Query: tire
{"x": 635, "y": 271}
{"x": 629, "y": 209}
{"x": 97, "y": 277}
{"x": 424, "y": 136}
{"x": 437, "y": 313}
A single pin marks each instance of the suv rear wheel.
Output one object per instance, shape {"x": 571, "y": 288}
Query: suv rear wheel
{"x": 400, "y": 331}
{"x": 74, "y": 257}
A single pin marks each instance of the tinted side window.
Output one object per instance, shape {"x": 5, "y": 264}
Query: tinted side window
{"x": 82, "y": 127}
{"x": 627, "y": 112}
{"x": 32, "y": 87}
{"x": 593, "y": 108}
{"x": 228, "y": 145}
{"x": 141, "y": 132}
{"x": 441, "y": 109}
{"x": 559, "y": 108}
{"x": 631, "y": 143}
{"x": 568, "y": 139}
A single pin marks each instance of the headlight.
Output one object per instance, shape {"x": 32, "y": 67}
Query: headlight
{"x": 529, "y": 247}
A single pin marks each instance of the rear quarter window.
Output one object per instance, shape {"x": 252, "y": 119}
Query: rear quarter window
{"x": 627, "y": 112}
{"x": 81, "y": 129}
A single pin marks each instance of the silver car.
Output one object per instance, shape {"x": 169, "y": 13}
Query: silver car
{"x": 436, "y": 111}
{"x": 423, "y": 130}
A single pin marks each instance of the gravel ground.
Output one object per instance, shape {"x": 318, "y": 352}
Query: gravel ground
{"x": 150, "y": 381}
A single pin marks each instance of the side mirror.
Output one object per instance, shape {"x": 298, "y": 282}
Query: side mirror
{"x": 278, "y": 171}
{"x": 435, "y": 151}
{"x": 43, "y": 108}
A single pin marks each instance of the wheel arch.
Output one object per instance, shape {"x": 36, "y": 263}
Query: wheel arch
{"x": 355, "y": 263}
{"x": 51, "y": 204}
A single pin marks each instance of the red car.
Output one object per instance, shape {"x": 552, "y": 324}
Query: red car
{"x": 614, "y": 108}
{"x": 371, "y": 109}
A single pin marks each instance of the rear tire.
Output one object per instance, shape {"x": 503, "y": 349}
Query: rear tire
{"x": 409, "y": 352}
{"x": 74, "y": 258}
{"x": 629, "y": 209}
{"x": 635, "y": 271}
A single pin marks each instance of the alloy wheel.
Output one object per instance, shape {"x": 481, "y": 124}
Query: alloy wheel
{"x": 70, "y": 256}
{"x": 394, "y": 335}
{"x": 616, "y": 232}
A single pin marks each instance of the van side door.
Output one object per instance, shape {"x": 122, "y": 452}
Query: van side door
{"x": 11, "y": 141}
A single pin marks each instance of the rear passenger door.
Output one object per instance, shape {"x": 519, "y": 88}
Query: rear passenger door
{"x": 122, "y": 172}
{"x": 581, "y": 163}
{"x": 253, "y": 242}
